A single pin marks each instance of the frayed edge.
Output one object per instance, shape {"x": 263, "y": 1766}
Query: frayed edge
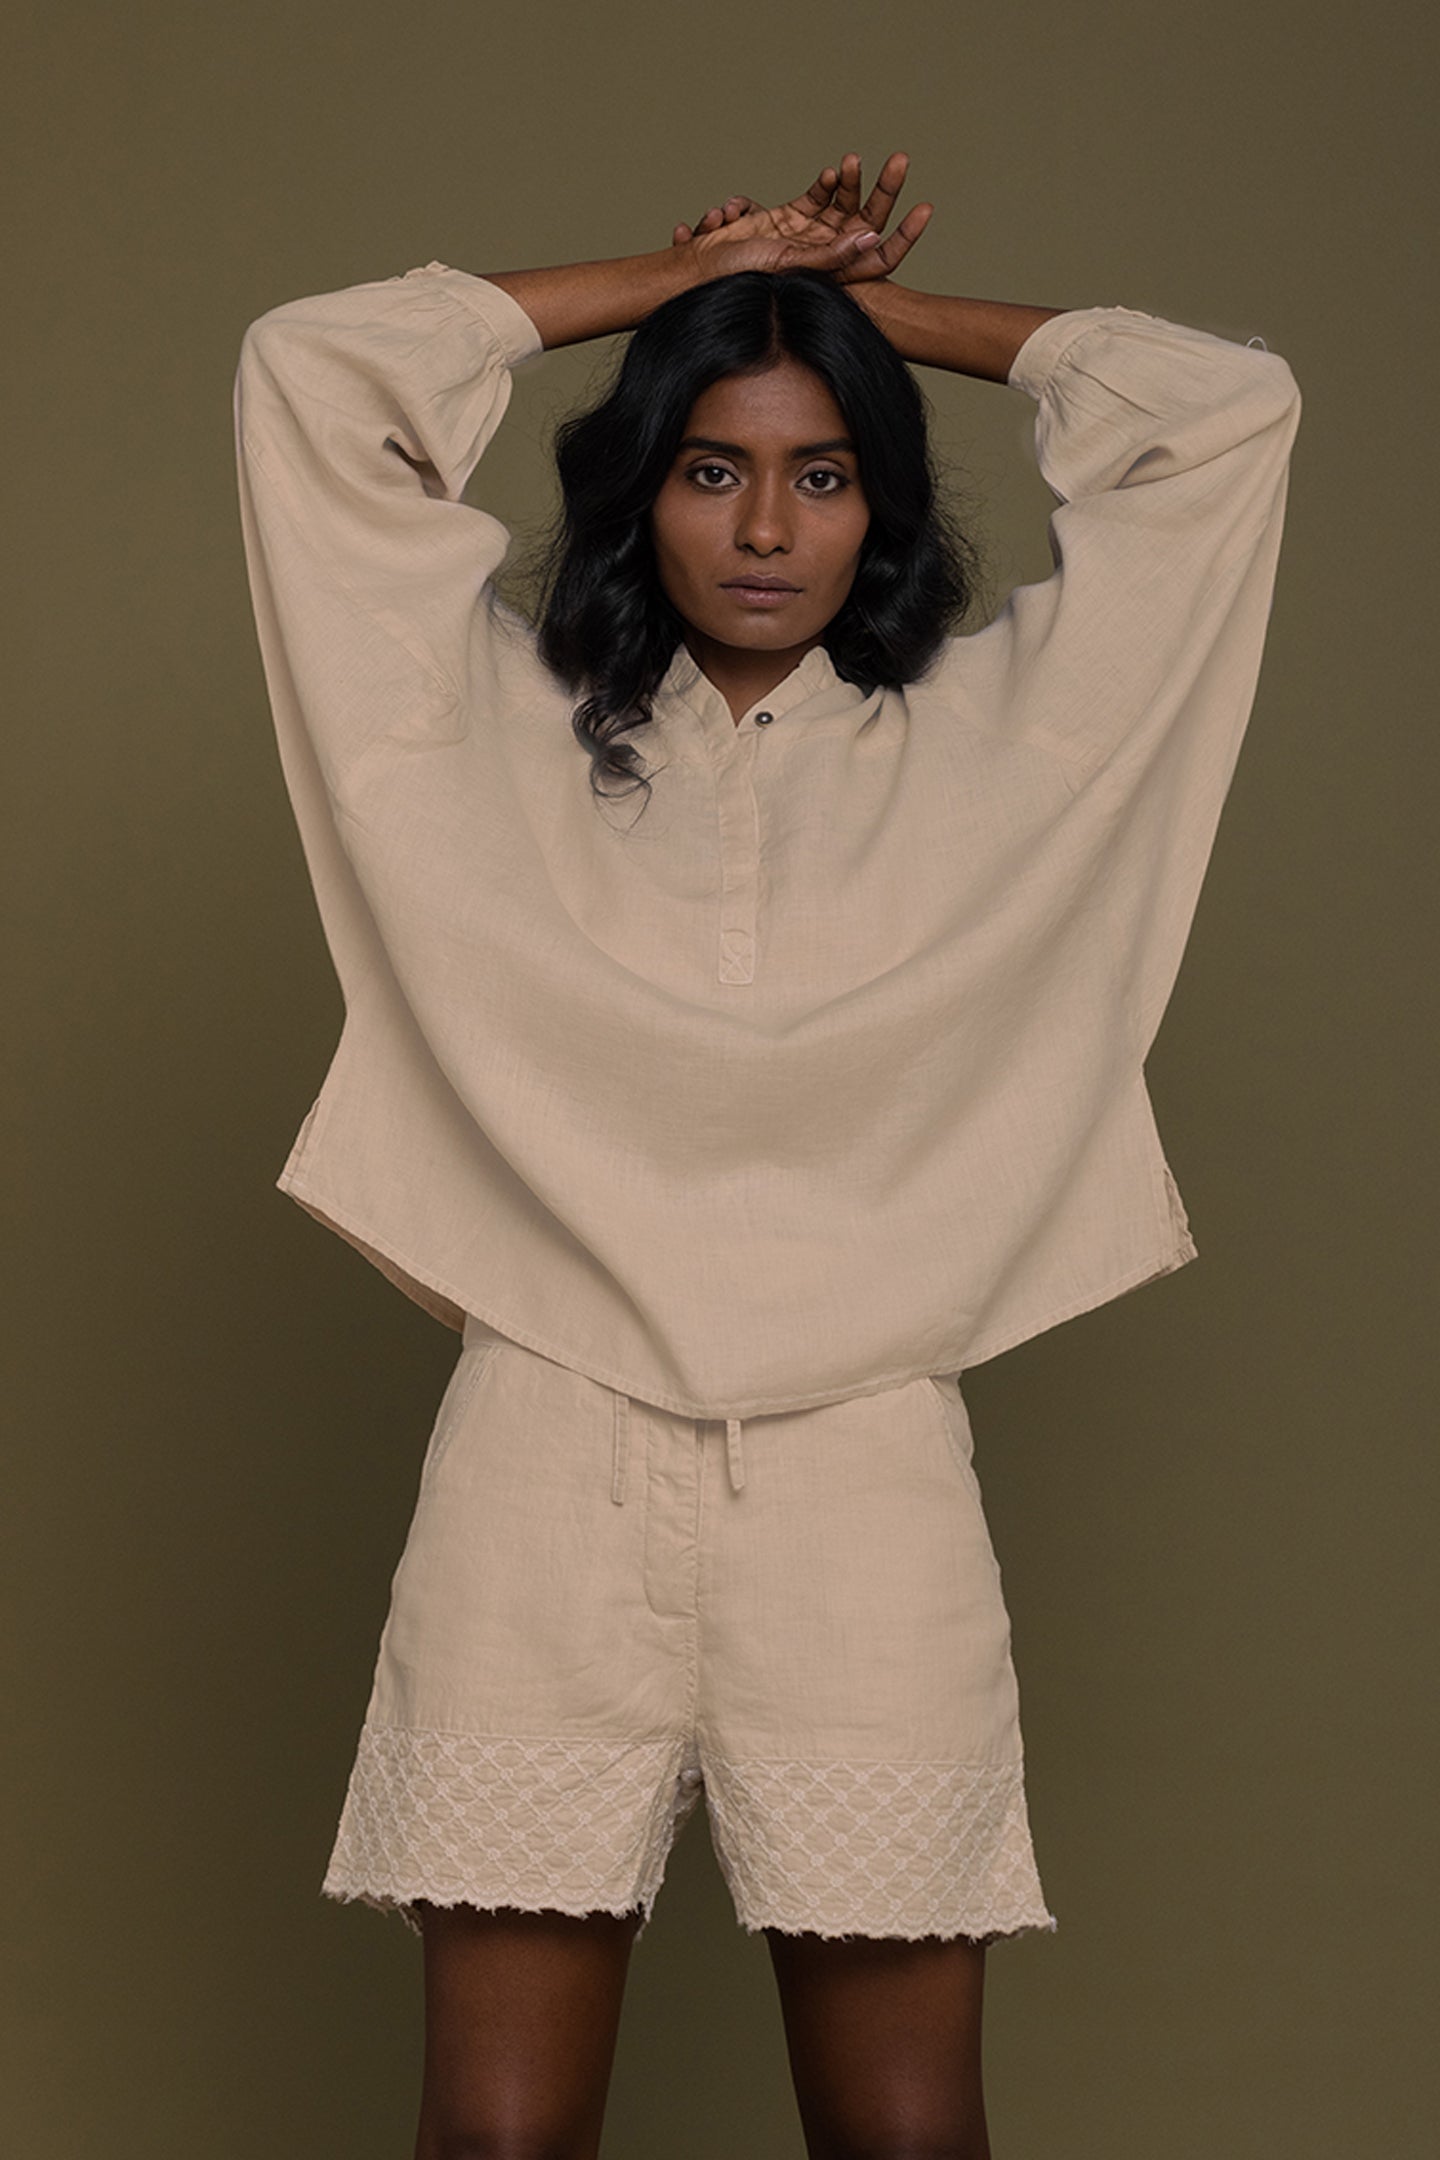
{"x": 1047, "y": 1926}
{"x": 385, "y": 1902}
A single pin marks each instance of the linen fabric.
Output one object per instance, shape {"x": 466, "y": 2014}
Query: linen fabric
{"x": 826, "y": 1071}
{"x": 604, "y": 1610}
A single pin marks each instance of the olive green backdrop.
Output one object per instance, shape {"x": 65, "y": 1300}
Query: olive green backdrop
{"x": 1212, "y": 1500}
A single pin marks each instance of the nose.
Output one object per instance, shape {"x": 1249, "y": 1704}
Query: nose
{"x": 763, "y": 525}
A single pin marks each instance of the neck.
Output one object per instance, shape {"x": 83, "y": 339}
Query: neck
{"x": 742, "y": 677}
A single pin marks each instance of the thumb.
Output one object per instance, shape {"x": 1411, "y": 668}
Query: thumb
{"x": 847, "y": 247}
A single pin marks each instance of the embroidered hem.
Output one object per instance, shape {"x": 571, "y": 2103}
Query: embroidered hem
{"x": 837, "y": 1848}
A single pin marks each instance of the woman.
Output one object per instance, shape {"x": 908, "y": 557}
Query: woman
{"x": 729, "y": 1131}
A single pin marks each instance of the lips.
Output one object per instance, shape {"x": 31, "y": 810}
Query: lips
{"x": 758, "y": 584}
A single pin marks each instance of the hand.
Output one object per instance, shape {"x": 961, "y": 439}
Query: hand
{"x": 823, "y": 229}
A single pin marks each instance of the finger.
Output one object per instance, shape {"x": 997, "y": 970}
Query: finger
{"x": 914, "y": 223}
{"x": 817, "y": 196}
{"x": 817, "y": 204}
{"x": 881, "y": 199}
{"x": 881, "y": 260}
{"x": 681, "y": 234}
{"x": 837, "y": 254}
{"x": 849, "y": 247}
{"x": 822, "y": 203}
{"x": 847, "y": 191}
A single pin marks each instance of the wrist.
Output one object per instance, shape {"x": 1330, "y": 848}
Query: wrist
{"x": 901, "y": 311}
{"x": 657, "y": 277}
{"x": 881, "y": 300}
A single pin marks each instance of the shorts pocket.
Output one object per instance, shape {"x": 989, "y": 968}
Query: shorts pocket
{"x": 470, "y": 1364}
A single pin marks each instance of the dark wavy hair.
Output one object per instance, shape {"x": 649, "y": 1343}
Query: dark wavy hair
{"x": 605, "y": 625}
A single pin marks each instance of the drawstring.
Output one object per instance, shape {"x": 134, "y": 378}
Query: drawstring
{"x": 620, "y": 1467}
{"x": 622, "y": 1448}
{"x": 732, "y": 1452}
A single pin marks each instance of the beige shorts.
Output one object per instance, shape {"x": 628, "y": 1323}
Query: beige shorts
{"x": 604, "y": 1609}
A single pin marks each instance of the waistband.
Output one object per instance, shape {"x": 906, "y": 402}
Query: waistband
{"x": 477, "y": 1330}
{"x": 620, "y": 1466}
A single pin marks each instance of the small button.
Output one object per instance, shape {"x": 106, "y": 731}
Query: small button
{"x": 763, "y": 719}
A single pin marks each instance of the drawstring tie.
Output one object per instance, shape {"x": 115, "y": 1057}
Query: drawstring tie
{"x": 732, "y": 1453}
{"x": 620, "y": 1468}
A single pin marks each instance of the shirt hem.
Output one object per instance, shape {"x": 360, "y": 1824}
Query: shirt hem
{"x": 1178, "y": 1255}
{"x": 444, "y": 1302}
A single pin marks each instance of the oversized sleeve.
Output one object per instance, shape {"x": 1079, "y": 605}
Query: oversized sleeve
{"x": 1135, "y": 664}
{"x": 360, "y": 415}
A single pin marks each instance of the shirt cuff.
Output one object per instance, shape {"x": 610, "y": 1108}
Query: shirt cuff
{"x": 1050, "y": 340}
{"x": 513, "y": 330}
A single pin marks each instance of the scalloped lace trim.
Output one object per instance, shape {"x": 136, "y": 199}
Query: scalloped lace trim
{"x": 578, "y": 1826}
{"x": 557, "y": 1825}
{"x": 872, "y": 1848}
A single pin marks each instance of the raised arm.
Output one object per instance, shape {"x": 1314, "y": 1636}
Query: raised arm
{"x": 576, "y": 301}
{"x": 361, "y": 416}
{"x": 816, "y": 230}
{"x": 969, "y": 337}
{"x": 1134, "y": 665}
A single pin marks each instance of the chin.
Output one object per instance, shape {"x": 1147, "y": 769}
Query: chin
{"x": 765, "y": 633}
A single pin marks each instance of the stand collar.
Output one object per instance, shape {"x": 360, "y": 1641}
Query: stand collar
{"x": 812, "y": 690}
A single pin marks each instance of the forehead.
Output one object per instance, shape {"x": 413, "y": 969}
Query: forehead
{"x": 787, "y": 403}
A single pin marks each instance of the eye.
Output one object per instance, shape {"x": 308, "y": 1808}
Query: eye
{"x": 696, "y": 470}
{"x": 827, "y": 472}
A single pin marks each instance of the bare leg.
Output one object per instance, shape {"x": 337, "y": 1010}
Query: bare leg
{"x": 884, "y": 2045}
{"x": 522, "y": 2011}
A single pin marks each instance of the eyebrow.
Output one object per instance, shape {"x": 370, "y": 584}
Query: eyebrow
{"x": 730, "y": 449}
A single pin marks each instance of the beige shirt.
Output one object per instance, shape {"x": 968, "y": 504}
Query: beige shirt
{"x": 825, "y": 1071}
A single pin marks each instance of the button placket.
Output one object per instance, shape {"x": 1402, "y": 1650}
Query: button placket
{"x": 739, "y": 817}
